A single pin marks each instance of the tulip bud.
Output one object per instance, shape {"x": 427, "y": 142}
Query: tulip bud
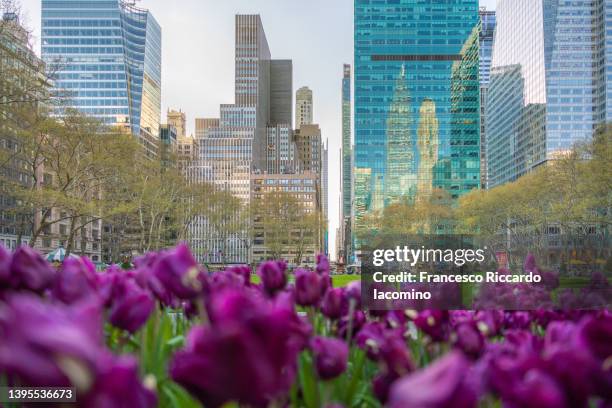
{"x": 330, "y": 356}
{"x": 273, "y": 276}
{"x": 307, "y": 287}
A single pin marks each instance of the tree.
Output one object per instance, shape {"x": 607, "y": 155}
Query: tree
{"x": 569, "y": 197}
{"x": 284, "y": 225}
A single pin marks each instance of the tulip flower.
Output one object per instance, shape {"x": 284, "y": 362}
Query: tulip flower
{"x": 178, "y": 272}
{"x": 440, "y": 385}
{"x": 76, "y": 280}
{"x": 273, "y": 277}
{"x": 330, "y": 356}
{"x": 131, "y": 306}
{"x": 29, "y": 270}
{"x": 334, "y": 303}
{"x": 307, "y": 287}
{"x": 322, "y": 264}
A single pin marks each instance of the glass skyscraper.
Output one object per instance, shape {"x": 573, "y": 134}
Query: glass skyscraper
{"x": 105, "y": 56}
{"x": 551, "y": 81}
{"x": 417, "y": 101}
{"x": 346, "y": 210}
{"x": 487, "y": 29}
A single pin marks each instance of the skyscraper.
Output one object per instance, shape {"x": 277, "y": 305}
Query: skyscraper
{"x": 487, "y": 29}
{"x": 105, "y": 56}
{"x": 303, "y": 107}
{"x": 325, "y": 194}
{"x": 548, "y": 87}
{"x": 416, "y": 100}
{"x": 346, "y": 207}
{"x": 236, "y": 145}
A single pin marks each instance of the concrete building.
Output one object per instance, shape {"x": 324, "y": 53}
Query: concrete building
{"x": 303, "y": 107}
{"x": 168, "y": 145}
{"x": 304, "y": 187}
{"x": 236, "y": 145}
{"x": 309, "y": 147}
{"x": 325, "y": 196}
{"x": 178, "y": 120}
{"x": 17, "y": 60}
{"x": 203, "y": 124}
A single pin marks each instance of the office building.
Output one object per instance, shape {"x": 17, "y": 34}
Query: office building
{"x": 203, "y": 124}
{"x": 105, "y": 57}
{"x": 303, "y": 107}
{"x": 325, "y": 196}
{"x": 309, "y": 147}
{"x": 416, "y": 102}
{"x": 550, "y": 85}
{"x": 236, "y": 144}
{"x": 178, "y": 120}
{"x": 168, "y": 145}
{"x": 304, "y": 187}
{"x": 23, "y": 77}
{"x": 346, "y": 167}
{"x": 487, "y": 29}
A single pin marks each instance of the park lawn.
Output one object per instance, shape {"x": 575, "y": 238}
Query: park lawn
{"x": 337, "y": 280}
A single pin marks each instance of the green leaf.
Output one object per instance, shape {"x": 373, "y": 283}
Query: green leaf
{"x": 308, "y": 381}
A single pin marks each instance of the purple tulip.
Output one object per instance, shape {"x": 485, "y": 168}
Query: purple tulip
{"x": 29, "y": 270}
{"x": 76, "y": 280}
{"x": 178, "y": 272}
{"x": 273, "y": 277}
{"x": 353, "y": 293}
{"x": 596, "y": 335}
{"x": 131, "y": 305}
{"x": 247, "y": 354}
{"x": 330, "y": 356}
{"x": 433, "y": 323}
{"x": 307, "y": 287}
{"x": 147, "y": 279}
{"x": 118, "y": 385}
{"x": 440, "y": 385}
{"x": 371, "y": 338}
{"x": 242, "y": 271}
{"x": 468, "y": 338}
{"x": 334, "y": 303}
{"x": 539, "y": 390}
{"x": 322, "y": 264}
{"x": 49, "y": 345}
{"x": 530, "y": 263}
{"x": 5, "y": 266}
{"x": 395, "y": 355}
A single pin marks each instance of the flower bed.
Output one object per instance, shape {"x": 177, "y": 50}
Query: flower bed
{"x": 169, "y": 334}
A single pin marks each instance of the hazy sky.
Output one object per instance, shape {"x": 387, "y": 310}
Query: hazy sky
{"x": 198, "y": 58}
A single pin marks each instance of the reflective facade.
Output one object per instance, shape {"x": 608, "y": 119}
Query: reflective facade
{"x": 487, "y": 29}
{"x": 416, "y": 100}
{"x": 550, "y": 81}
{"x": 346, "y": 209}
{"x": 105, "y": 56}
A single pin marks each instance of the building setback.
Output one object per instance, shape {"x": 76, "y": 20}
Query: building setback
{"x": 303, "y": 107}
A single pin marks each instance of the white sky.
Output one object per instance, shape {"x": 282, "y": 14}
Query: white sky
{"x": 198, "y": 58}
